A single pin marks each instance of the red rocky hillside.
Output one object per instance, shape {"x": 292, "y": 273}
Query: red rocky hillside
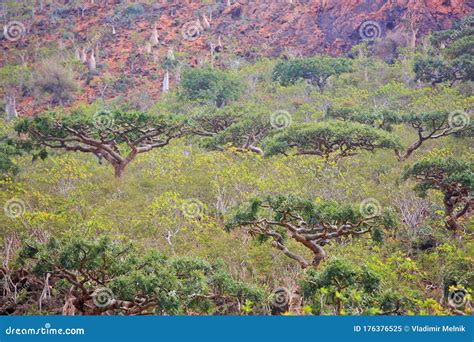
{"x": 130, "y": 39}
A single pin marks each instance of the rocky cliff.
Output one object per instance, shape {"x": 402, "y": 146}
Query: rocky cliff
{"x": 132, "y": 38}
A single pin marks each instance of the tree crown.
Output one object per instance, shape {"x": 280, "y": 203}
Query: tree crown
{"x": 138, "y": 281}
{"x": 330, "y": 137}
{"x": 440, "y": 173}
{"x": 316, "y": 70}
{"x": 209, "y": 85}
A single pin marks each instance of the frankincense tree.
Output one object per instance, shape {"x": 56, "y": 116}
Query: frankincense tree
{"x": 116, "y": 136}
{"x": 95, "y": 277}
{"x": 454, "y": 178}
{"x": 312, "y": 225}
{"x": 330, "y": 138}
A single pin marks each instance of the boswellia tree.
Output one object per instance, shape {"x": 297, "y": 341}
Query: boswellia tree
{"x": 240, "y": 126}
{"x": 316, "y": 70}
{"x": 7, "y": 166}
{"x": 310, "y": 224}
{"x": 454, "y": 178}
{"x": 329, "y": 138}
{"x": 452, "y": 59}
{"x": 209, "y": 85}
{"x": 116, "y": 136}
{"x": 427, "y": 125}
{"x": 435, "y": 125}
{"x": 383, "y": 119}
{"x": 11, "y": 147}
{"x": 95, "y": 277}
{"x": 331, "y": 289}
{"x": 208, "y": 121}
{"x": 7, "y": 150}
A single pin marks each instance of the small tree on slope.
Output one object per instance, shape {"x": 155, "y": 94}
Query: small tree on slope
{"x": 117, "y": 137}
{"x": 454, "y": 178}
{"x": 312, "y": 225}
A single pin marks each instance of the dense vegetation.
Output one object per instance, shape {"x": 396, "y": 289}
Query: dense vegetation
{"x": 302, "y": 186}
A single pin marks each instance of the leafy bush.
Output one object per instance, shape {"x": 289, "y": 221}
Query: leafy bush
{"x": 103, "y": 276}
{"x": 452, "y": 63}
{"x": 51, "y": 78}
{"x": 454, "y": 178}
{"x": 209, "y": 85}
{"x": 316, "y": 70}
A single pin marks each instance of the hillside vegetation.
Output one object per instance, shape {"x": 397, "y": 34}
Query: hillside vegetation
{"x": 307, "y": 186}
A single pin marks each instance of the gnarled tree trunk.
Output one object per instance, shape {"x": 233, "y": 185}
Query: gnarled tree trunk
{"x": 450, "y": 217}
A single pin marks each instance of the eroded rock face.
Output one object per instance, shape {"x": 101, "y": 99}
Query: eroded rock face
{"x": 304, "y": 26}
{"x": 245, "y": 28}
{"x": 332, "y": 26}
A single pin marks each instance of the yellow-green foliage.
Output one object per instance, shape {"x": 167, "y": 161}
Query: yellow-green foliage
{"x": 175, "y": 199}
